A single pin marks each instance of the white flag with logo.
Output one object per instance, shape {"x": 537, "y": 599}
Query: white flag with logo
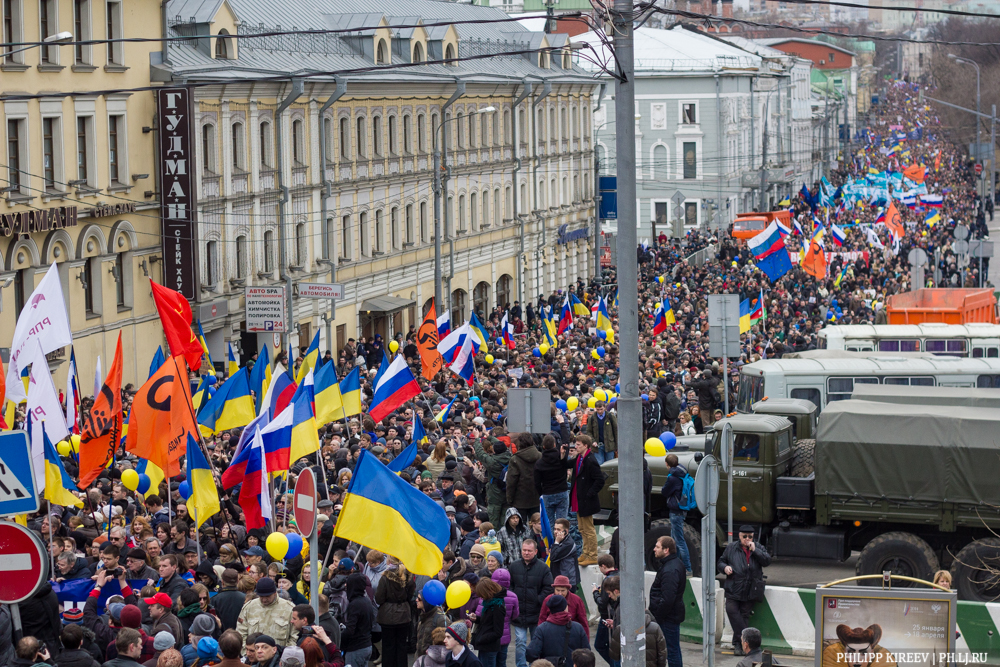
{"x": 43, "y": 319}
{"x": 46, "y": 416}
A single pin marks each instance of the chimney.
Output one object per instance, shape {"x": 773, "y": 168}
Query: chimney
{"x": 727, "y": 9}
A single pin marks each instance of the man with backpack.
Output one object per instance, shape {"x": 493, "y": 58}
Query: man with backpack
{"x": 678, "y": 491}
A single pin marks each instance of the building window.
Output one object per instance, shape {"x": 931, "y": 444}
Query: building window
{"x": 14, "y": 155}
{"x": 241, "y": 256}
{"x": 484, "y": 131}
{"x": 472, "y": 129}
{"x": 269, "y": 251}
{"x": 116, "y": 153}
{"x": 377, "y": 136}
{"x": 49, "y": 129}
{"x": 82, "y": 149}
{"x": 265, "y": 144}
{"x": 418, "y": 52}
{"x": 474, "y": 210}
{"x": 379, "y": 232}
{"x": 409, "y": 224}
{"x": 301, "y": 251}
{"x": 89, "y": 288}
{"x": 114, "y": 10}
{"x": 212, "y": 262}
{"x": 449, "y": 53}
{"x": 461, "y": 213}
{"x": 208, "y": 147}
{"x": 423, "y": 222}
{"x": 362, "y": 140}
{"x": 345, "y": 139}
{"x": 421, "y": 134}
{"x": 508, "y": 202}
{"x": 691, "y": 214}
{"x": 481, "y": 299}
{"x": 689, "y": 113}
{"x": 503, "y": 291}
{"x": 365, "y": 234}
{"x": 394, "y": 228}
{"x": 506, "y": 129}
{"x": 298, "y": 150}
{"x": 222, "y": 45}
{"x": 496, "y": 207}
{"x": 12, "y": 29}
{"x": 407, "y": 136}
{"x": 393, "y": 137}
{"x": 553, "y": 128}
{"x": 540, "y": 125}
{"x": 328, "y": 140}
{"x": 381, "y": 53}
{"x": 460, "y": 131}
{"x": 239, "y": 153}
{"x": 19, "y": 296}
{"x": 345, "y": 237}
{"x": 458, "y": 298}
{"x": 690, "y": 159}
{"x": 48, "y": 17}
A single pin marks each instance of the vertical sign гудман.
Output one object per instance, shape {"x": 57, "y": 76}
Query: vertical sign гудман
{"x": 177, "y": 196}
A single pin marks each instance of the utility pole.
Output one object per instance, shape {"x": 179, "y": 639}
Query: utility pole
{"x": 630, "y": 501}
{"x": 297, "y": 87}
{"x": 597, "y": 218}
{"x": 763, "y": 167}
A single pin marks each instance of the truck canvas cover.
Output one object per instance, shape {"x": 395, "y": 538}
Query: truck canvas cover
{"x": 909, "y": 453}
{"x": 939, "y": 396}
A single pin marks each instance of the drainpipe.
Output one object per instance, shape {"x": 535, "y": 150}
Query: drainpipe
{"x": 440, "y": 187}
{"x": 718, "y": 144}
{"x": 535, "y": 162}
{"x": 753, "y": 135}
{"x": 514, "y": 193}
{"x": 297, "y": 87}
{"x": 337, "y": 94}
{"x": 164, "y": 53}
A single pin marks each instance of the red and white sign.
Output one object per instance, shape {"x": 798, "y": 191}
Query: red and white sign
{"x": 24, "y": 563}
{"x": 320, "y": 290}
{"x": 305, "y": 502}
{"x": 979, "y": 168}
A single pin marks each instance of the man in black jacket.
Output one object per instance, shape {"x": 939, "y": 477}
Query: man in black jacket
{"x": 742, "y": 562}
{"x": 229, "y": 601}
{"x": 550, "y": 480}
{"x": 666, "y": 597}
{"x": 358, "y": 619}
{"x": 586, "y": 484}
{"x": 531, "y": 582}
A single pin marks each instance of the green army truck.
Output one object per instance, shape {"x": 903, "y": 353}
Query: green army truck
{"x": 913, "y": 488}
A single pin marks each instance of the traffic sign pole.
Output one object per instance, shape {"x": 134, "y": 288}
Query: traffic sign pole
{"x": 305, "y": 500}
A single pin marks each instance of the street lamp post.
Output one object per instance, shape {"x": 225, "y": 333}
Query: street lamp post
{"x": 439, "y": 166}
{"x": 966, "y": 61}
{"x": 58, "y": 38}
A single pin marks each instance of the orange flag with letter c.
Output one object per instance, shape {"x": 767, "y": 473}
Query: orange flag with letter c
{"x": 163, "y": 417}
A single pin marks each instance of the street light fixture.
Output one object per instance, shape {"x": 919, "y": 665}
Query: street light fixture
{"x": 966, "y": 61}
{"x": 58, "y": 38}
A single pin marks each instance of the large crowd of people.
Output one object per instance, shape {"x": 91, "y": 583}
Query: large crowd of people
{"x": 215, "y": 596}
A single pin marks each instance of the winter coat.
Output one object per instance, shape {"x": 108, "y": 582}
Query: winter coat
{"x": 656, "y": 643}
{"x": 122, "y": 661}
{"x": 587, "y": 485}
{"x": 610, "y": 434}
{"x": 7, "y": 635}
{"x": 511, "y": 607}
{"x": 40, "y": 617}
{"x": 81, "y": 570}
{"x": 228, "y": 604}
{"x": 430, "y": 618}
{"x": 521, "y": 478}
{"x": 468, "y": 542}
{"x": 467, "y": 659}
{"x": 494, "y": 464}
{"x": 550, "y": 473}
{"x": 174, "y": 587}
{"x": 511, "y": 538}
{"x": 673, "y": 488}
{"x": 562, "y": 560}
{"x": 395, "y": 590}
{"x": 746, "y": 570}
{"x": 574, "y": 608}
{"x": 558, "y": 636}
{"x": 358, "y": 617}
{"x": 76, "y": 658}
{"x": 489, "y": 626}
{"x": 273, "y": 620}
{"x": 605, "y": 605}
{"x": 168, "y": 622}
{"x": 435, "y": 657}
{"x": 666, "y": 597}
{"x": 531, "y": 583}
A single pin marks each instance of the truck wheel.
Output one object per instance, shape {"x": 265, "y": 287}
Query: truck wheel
{"x": 693, "y": 539}
{"x": 975, "y": 571}
{"x": 900, "y": 553}
{"x": 802, "y": 458}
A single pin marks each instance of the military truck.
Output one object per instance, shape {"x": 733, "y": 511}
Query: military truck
{"x": 911, "y": 487}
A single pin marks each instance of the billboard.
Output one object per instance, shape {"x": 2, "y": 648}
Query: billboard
{"x": 864, "y": 626}
{"x": 178, "y": 202}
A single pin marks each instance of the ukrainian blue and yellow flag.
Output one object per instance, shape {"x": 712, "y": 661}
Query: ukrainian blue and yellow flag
{"x": 405, "y": 458}
{"x": 57, "y": 481}
{"x": 579, "y": 309}
{"x": 203, "y": 503}
{"x": 551, "y": 331}
{"x": 231, "y": 406}
{"x": 309, "y": 360}
{"x": 383, "y": 512}
{"x": 231, "y": 358}
{"x": 260, "y": 376}
{"x": 201, "y": 393}
{"x": 154, "y": 473}
{"x": 419, "y": 434}
{"x": 480, "y": 331}
{"x": 445, "y": 413}
{"x": 548, "y": 537}
{"x": 933, "y": 217}
{"x": 604, "y": 320}
{"x": 668, "y": 311}
{"x": 154, "y": 365}
{"x": 204, "y": 343}
{"x": 350, "y": 392}
{"x": 785, "y": 202}
{"x": 745, "y": 315}
{"x": 329, "y": 403}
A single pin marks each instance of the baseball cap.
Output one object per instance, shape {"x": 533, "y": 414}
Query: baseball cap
{"x": 161, "y": 599}
{"x": 254, "y": 551}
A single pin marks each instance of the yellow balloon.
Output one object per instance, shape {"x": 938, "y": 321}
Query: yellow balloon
{"x": 393, "y": 346}
{"x": 591, "y": 403}
{"x": 74, "y": 442}
{"x": 277, "y": 545}
{"x": 543, "y": 348}
{"x": 611, "y": 394}
{"x": 458, "y": 594}
{"x": 130, "y": 478}
{"x": 489, "y": 358}
{"x": 654, "y": 447}
{"x": 600, "y": 395}
{"x": 63, "y": 448}
{"x": 572, "y": 403}
{"x": 594, "y": 355}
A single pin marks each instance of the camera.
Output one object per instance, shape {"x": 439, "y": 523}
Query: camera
{"x": 118, "y": 572}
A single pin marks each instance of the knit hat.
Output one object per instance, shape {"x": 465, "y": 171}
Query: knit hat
{"x": 203, "y": 626}
{"x": 495, "y": 555}
{"x": 71, "y": 616}
{"x": 131, "y": 617}
{"x": 477, "y": 550}
{"x": 499, "y": 447}
{"x": 468, "y": 524}
{"x": 163, "y": 641}
{"x": 208, "y": 648}
{"x": 266, "y": 639}
{"x": 556, "y": 603}
{"x": 115, "y": 611}
{"x": 459, "y": 631}
{"x": 266, "y": 586}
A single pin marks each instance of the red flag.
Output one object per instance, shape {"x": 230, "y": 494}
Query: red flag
{"x": 102, "y": 426}
{"x": 175, "y": 314}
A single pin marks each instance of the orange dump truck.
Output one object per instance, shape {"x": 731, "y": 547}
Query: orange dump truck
{"x": 950, "y": 306}
{"x": 748, "y": 225}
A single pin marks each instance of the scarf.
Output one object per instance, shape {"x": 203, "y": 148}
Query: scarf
{"x": 190, "y": 610}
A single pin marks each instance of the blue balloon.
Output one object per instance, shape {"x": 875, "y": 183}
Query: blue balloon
{"x": 144, "y": 483}
{"x": 536, "y": 353}
{"x": 614, "y": 399}
{"x": 561, "y": 404}
{"x": 618, "y": 388}
{"x": 601, "y": 333}
{"x": 500, "y": 342}
{"x": 434, "y": 593}
{"x": 184, "y": 489}
{"x": 211, "y": 380}
{"x": 294, "y": 545}
{"x": 645, "y": 397}
{"x": 668, "y": 439}
{"x": 601, "y": 351}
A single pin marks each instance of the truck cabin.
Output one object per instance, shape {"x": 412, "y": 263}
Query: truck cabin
{"x": 802, "y": 413}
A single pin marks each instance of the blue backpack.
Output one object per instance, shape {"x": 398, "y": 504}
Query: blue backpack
{"x": 687, "y": 500}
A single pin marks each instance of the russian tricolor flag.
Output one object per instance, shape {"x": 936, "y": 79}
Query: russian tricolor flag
{"x": 451, "y": 343}
{"x": 565, "y": 317}
{"x": 463, "y": 363}
{"x": 837, "y": 234}
{"x": 933, "y": 201}
{"x": 782, "y": 229}
{"x": 768, "y": 248}
{"x": 444, "y": 325}
{"x": 255, "y": 496}
{"x": 397, "y": 386}
{"x": 508, "y": 332}
{"x": 279, "y": 392}
{"x": 659, "y": 321}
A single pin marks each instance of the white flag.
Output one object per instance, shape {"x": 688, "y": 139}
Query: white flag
{"x": 98, "y": 378}
{"x": 873, "y": 238}
{"x": 43, "y": 319}
{"x": 71, "y": 379}
{"x": 46, "y": 416}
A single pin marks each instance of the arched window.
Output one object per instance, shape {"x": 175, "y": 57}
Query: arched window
{"x": 481, "y": 299}
{"x": 473, "y": 210}
{"x": 418, "y": 52}
{"x": 365, "y": 234}
{"x": 423, "y": 222}
{"x": 460, "y": 131}
{"x": 345, "y": 138}
{"x": 508, "y": 202}
{"x": 458, "y": 306}
{"x": 328, "y": 136}
{"x": 265, "y": 144}
{"x": 660, "y": 164}
{"x": 506, "y": 127}
{"x": 407, "y": 135}
{"x": 393, "y": 137}
{"x": 540, "y": 125}
{"x": 472, "y": 129}
{"x": 421, "y": 134}
{"x": 268, "y": 251}
{"x": 239, "y": 151}
{"x": 503, "y": 291}
{"x": 496, "y": 207}
{"x": 553, "y": 129}
{"x": 461, "y": 213}
{"x": 564, "y": 122}
{"x": 394, "y": 228}
{"x": 377, "y": 136}
{"x": 300, "y": 244}
{"x": 382, "y": 53}
{"x": 379, "y": 232}
{"x": 208, "y": 147}
{"x": 241, "y": 256}
{"x": 211, "y": 266}
{"x": 362, "y": 138}
{"x": 409, "y": 224}
{"x": 346, "y": 240}
{"x": 298, "y": 147}
{"x": 222, "y": 45}
{"x": 449, "y": 53}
